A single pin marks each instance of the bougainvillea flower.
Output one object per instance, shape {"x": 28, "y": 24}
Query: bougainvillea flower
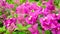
{"x": 56, "y": 30}
{"x": 49, "y": 8}
{"x": 34, "y": 29}
{"x": 21, "y": 19}
{"x": 32, "y": 18}
{"x": 50, "y": 21}
{"x": 27, "y": 9}
{"x": 8, "y": 22}
{"x": 24, "y": 8}
{"x": 9, "y": 6}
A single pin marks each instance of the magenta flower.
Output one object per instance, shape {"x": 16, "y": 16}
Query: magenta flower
{"x": 51, "y": 22}
{"x": 2, "y": 3}
{"x": 32, "y": 18}
{"x": 50, "y": 5}
{"x": 49, "y": 8}
{"x": 34, "y": 29}
{"x": 8, "y": 22}
{"x": 24, "y": 8}
{"x": 32, "y": 11}
{"x": 34, "y": 7}
{"x": 27, "y": 8}
{"x": 9, "y": 6}
{"x": 56, "y": 30}
{"x": 21, "y": 19}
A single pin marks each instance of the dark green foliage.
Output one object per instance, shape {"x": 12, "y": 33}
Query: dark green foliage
{"x": 0, "y": 13}
{"x": 1, "y": 24}
{"x": 48, "y": 32}
{"x": 36, "y": 0}
{"x": 10, "y": 1}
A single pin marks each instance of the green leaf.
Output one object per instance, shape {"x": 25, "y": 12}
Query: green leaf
{"x": 47, "y": 0}
{"x": 14, "y": 33}
{"x": 56, "y": 2}
{"x": 44, "y": 6}
{"x": 10, "y": 16}
{"x": 7, "y": 32}
{"x": 22, "y": 32}
{"x": 36, "y": 0}
{"x": 0, "y": 13}
{"x": 15, "y": 5}
{"x": 32, "y": 10}
{"x": 16, "y": 29}
{"x": 48, "y": 32}
{"x": 10, "y": 1}
{"x": 39, "y": 3}
{"x": 31, "y": 0}
{"x": 28, "y": 26}
{"x": 20, "y": 26}
{"x": 23, "y": 27}
{"x": 15, "y": 15}
{"x": 40, "y": 30}
{"x": 19, "y": 32}
{"x": 2, "y": 29}
{"x": 22, "y": 1}
{"x": 58, "y": 5}
{"x": 1, "y": 24}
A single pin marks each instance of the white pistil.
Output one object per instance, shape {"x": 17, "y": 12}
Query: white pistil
{"x": 30, "y": 17}
{"x": 7, "y": 24}
{"x": 45, "y": 18}
{"x": 57, "y": 14}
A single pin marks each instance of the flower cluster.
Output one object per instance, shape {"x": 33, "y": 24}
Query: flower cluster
{"x": 43, "y": 17}
{"x": 51, "y": 22}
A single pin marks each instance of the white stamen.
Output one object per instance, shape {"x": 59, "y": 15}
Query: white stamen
{"x": 57, "y": 14}
{"x": 30, "y": 17}
{"x": 45, "y": 18}
{"x": 7, "y": 24}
